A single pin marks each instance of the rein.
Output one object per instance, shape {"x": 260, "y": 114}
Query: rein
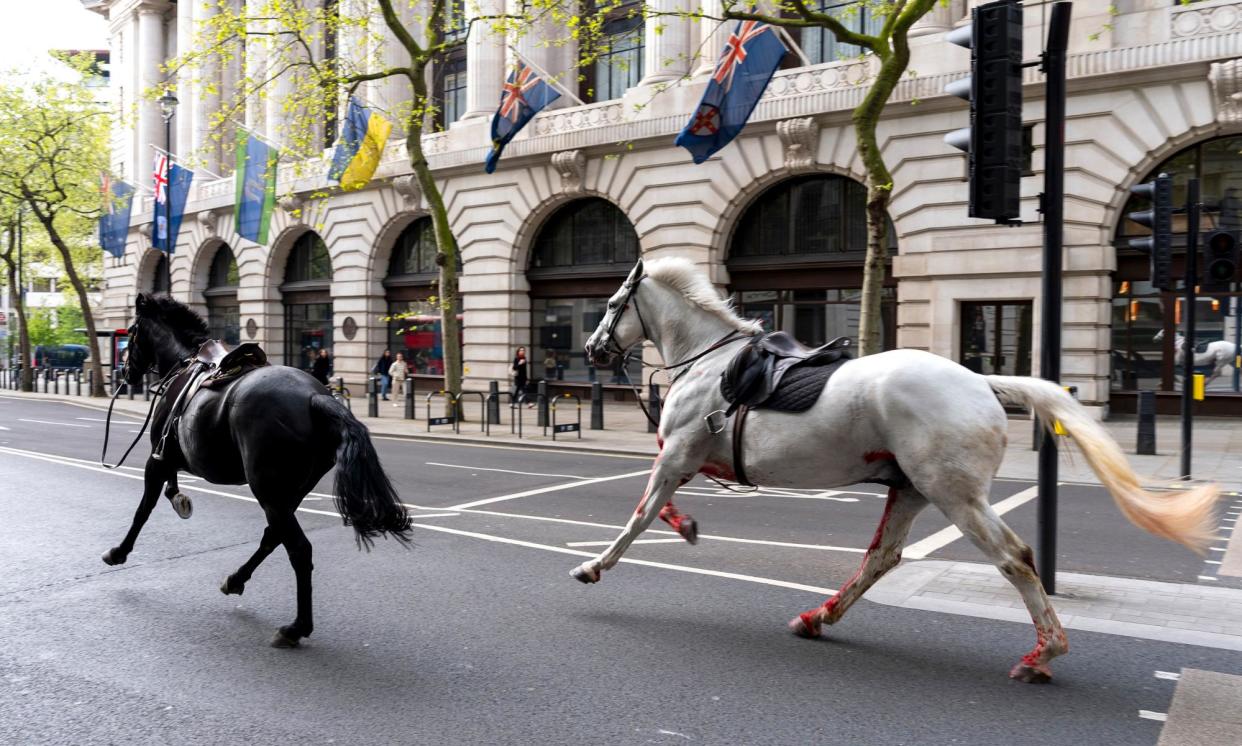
{"x": 161, "y": 387}
{"x": 731, "y": 337}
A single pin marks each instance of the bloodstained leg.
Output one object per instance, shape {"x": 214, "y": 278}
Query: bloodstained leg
{"x": 682, "y": 523}
{"x": 900, "y": 510}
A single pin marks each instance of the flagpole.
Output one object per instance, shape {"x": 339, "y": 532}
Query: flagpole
{"x": 791, "y": 45}
{"x": 547, "y": 77}
{"x": 182, "y": 161}
{"x": 264, "y": 138}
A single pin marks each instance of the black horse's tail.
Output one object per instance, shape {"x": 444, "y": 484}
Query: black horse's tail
{"x": 364, "y": 496}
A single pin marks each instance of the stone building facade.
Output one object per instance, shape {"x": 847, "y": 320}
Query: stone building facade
{"x": 774, "y": 218}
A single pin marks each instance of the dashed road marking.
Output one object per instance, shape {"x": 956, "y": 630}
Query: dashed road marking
{"x": 1168, "y": 675}
{"x": 945, "y": 536}
{"x": 607, "y": 543}
{"x": 51, "y": 422}
{"x": 506, "y": 471}
{"x": 552, "y": 488}
{"x": 1149, "y": 715}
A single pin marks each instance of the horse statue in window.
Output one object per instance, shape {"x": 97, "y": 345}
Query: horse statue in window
{"x": 929, "y": 429}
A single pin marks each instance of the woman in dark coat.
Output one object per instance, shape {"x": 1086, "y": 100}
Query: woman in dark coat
{"x": 322, "y": 367}
{"x": 521, "y": 373}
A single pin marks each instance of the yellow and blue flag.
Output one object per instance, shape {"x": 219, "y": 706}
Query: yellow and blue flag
{"x": 753, "y": 54}
{"x": 360, "y": 146}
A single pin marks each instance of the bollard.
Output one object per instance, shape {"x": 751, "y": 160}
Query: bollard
{"x": 409, "y": 396}
{"x": 493, "y": 402}
{"x": 78, "y": 384}
{"x": 55, "y": 382}
{"x": 1146, "y": 445}
{"x": 372, "y": 396}
{"x": 146, "y": 388}
{"x": 46, "y": 371}
{"x": 542, "y": 405}
{"x": 597, "y": 406}
{"x": 653, "y": 408}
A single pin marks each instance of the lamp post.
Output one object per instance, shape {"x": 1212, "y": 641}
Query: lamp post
{"x": 168, "y": 108}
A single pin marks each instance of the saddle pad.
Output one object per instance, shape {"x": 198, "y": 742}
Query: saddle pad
{"x": 800, "y": 388}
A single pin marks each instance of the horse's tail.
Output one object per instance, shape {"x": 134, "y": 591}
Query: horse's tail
{"x": 365, "y": 498}
{"x": 1185, "y": 517}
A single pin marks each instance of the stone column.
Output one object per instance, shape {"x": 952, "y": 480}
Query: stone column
{"x": 184, "y": 124}
{"x": 667, "y": 46}
{"x": 556, "y": 61}
{"x": 713, "y": 35}
{"x": 938, "y": 20}
{"x": 206, "y": 99}
{"x": 392, "y": 95}
{"x": 485, "y": 60}
{"x": 150, "y": 56}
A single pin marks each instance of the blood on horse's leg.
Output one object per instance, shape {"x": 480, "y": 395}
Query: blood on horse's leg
{"x": 900, "y": 510}
{"x": 682, "y": 523}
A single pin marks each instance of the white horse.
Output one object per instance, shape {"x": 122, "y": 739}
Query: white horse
{"x": 927, "y": 427}
{"x": 1220, "y": 355}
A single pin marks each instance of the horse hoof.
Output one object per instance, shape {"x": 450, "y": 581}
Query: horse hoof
{"x": 284, "y": 639}
{"x": 1031, "y": 674}
{"x": 803, "y": 628}
{"x": 113, "y": 557}
{"x": 231, "y": 588}
{"x": 585, "y": 575}
{"x": 689, "y": 530}
{"x": 181, "y": 503}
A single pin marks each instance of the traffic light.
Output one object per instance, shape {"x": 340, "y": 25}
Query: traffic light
{"x": 1159, "y": 245}
{"x": 994, "y": 89}
{"x": 1222, "y": 259}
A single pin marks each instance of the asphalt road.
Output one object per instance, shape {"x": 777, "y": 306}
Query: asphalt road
{"x": 478, "y": 634}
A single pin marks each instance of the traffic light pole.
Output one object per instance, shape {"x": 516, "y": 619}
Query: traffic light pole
{"x": 1188, "y": 343}
{"x": 1053, "y": 208}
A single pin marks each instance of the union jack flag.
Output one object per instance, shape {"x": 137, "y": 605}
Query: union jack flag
{"x": 525, "y": 94}
{"x": 735, "y": 51}
{"x": 513, "y": 98}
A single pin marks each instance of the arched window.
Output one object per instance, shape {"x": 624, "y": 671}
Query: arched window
{"x": 307, "y": 298}
{"x": 796, "y": 259}
{"x": 414, "y": 321}
{"x": 159, "y": 275}
{"x": 578, "y": 258}
{"x": 586, "y": 233}
{"x": 223, "y": 311}
{"x": 1140, "y": 311}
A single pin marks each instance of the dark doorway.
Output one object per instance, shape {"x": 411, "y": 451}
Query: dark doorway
{"x": 996, "y": 337}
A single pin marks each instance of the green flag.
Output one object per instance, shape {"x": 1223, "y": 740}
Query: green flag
{"x": 256, "y": 187}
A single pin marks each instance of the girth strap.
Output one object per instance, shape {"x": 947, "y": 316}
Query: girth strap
{"x": 739, "y": 428}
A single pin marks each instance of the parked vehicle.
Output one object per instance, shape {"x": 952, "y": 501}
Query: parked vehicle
{"x": 64, "y": 357}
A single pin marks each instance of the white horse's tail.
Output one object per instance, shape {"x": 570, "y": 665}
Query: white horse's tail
{"x": 1186, "y": 517}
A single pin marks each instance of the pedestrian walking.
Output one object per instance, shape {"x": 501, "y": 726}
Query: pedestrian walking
{"x": 397, "y": 372}
{"x": 521, "y": 373}
{"x": 322, "y": 367}
{"x": 381, "y": 369}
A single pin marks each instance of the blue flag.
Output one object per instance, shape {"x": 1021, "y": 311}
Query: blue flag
{"x": 524, "y": 96}
{"x": 753, "y": 54}
{"x": 172, "y": 211}
{"x": 255, "y": 193}
{"x": 118, "y": 199}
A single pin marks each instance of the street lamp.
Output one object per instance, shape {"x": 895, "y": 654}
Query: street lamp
{"x": 168, "y": 108}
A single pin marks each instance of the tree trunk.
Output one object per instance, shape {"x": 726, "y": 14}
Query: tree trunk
{"x": 446, "y": 244}
{"x": 23, "y": 339}
{"x": 92, "y": 340}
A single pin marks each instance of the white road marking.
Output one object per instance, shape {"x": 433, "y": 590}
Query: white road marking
{"x": 437, "y": 515}
{"x": 102, "y": 419}
{"x": 606, "y": 543}
{"x": 722, "y": 492}
{"x": 506, "y": 471}
{"x": 945, "y": 536}
{"x": 471, "y": 534}
{"x": 1149, "y": 715}
{"x": 50, "y": 422}
{"x": 713, "y": 537}
{"x": 1207, "y": 577}
{"x": 1168, "y": 675}
{"x": 1216, "y": 549}
{"x": 543, "y": 490}
{"x": 2, "y": 427}
{"x": 455, "y": 444}
{"x": 1212, "y": 562}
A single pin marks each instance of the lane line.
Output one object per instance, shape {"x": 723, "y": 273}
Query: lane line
{"x": 498, "y": 447}
{"x": 606, "y": 543}
{"x": 2, "y": 427}
{"x": 1207, "y": 577}
{"x": 506, "y": 471}
{"x": 1168, "y": 675}
{"x": 102, "y": 419}
{"x": 49, "y": 422}
{"x": 438, "y": 515}
{"x": 713, "y": 537}
{"x": 1149, "y": 715}
{"x": 1213, "y": 562}
{"x": 721, "y": 492}
{"x": 475, "y": 535}
{"x": 544, "y": 490}
{"x": 945, "y": 536}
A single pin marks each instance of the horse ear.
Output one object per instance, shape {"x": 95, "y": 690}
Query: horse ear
{"x": 635, "y": 274}
{"x": 141, "y": 302}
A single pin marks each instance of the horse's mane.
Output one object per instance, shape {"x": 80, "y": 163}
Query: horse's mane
{"x": 178, "y": 319}
{"x": 680, "y": 274}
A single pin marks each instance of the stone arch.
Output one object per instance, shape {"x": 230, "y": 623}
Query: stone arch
{"x": 147, "y": 263}
{"x": 524, "y": 239}
{"x": 381, "y": 249}
{"x": 200, "y": 266}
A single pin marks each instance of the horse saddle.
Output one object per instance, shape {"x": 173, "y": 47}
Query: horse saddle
{"x": 776, "y": 371}
{"x": 1202, "y": 347}
{"x": 228, "y": 365}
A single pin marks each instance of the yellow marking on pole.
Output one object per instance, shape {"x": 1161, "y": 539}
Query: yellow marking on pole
{"x": 1200, "y": 386}
{"x": 1056, "y": 424}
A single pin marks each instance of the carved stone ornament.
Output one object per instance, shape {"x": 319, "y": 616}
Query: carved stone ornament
{"x": 292, "y": 205}
{"x": 1226, "y": 80}
{"x": 209, "y": 219}
{"x": 410, "y": 191}
{"x": 571, "y": 165}
{"x": 800, "y": 138}
{"x": 252, "y": 328}
{"x": 349, "y": 327}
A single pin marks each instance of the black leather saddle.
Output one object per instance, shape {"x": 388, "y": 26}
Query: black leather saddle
{"x": 1202, "y": 347}
{"x": 213, "y": 366}
{"x": 776, "y": 371}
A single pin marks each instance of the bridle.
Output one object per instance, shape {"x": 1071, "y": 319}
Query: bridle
{"x": 160, "y": 388}
{"x": 631, "y": 287}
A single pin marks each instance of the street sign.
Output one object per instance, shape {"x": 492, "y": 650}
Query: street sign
{"x": 441, "y": 421}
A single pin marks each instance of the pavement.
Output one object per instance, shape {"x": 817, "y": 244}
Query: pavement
{"x": 503, "y": 507}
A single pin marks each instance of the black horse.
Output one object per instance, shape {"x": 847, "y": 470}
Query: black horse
{"x": 274, "y": 428}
